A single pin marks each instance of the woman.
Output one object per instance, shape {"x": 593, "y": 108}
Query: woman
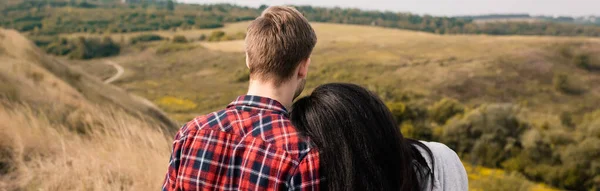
{"x": 361, "y": 147}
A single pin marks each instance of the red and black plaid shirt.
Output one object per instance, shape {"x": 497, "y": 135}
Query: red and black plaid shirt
{"x": 251, "y": 145}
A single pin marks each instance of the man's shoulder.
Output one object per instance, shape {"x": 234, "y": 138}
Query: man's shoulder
{"x": 274, "y": 129}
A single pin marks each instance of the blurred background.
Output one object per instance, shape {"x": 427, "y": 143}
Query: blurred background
{"x": 93, "y": 91}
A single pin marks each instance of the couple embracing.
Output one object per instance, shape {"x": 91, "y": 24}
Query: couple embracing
{"x": 340, "y": 137}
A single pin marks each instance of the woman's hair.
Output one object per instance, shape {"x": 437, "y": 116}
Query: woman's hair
{"x": 359, "y": 142}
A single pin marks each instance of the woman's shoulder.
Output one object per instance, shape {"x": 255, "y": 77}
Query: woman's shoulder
{"x": 439, "y": 149}
{"x": 448, "y": 169}
{"x": 442, "y": 154}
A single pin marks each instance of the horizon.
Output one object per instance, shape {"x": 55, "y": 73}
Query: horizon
{"x": 572, "y": 8}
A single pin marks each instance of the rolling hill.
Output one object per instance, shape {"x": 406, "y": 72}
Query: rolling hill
{"x": 528, "y": 104}
{"x": 31, "y": 77}
{"x": 61, "y": 124}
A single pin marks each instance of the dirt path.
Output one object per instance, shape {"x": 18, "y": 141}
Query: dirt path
{"x": 120, "y": 71}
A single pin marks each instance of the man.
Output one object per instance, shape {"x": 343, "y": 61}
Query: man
{"x": 252, "y": 145}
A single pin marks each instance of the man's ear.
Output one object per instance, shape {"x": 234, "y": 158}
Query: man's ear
{"x": 247, "y": 63}
{"x": 303, "y": 68}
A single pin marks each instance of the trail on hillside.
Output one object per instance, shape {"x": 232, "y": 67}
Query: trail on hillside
{"x": 120, "y": 71}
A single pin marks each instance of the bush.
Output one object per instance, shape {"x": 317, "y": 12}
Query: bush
{"x": 208, "y": 24}
{"x": 236, "y": 36}
{"x": 167, "y": 48}
{"x": 179, "y": 39}
{"x": 445, "y": 109}
{"x": 586, "y": 61}
{"x": 60, "y": 47}
{"x": 242, "y": 75}
{"x": 490, "y": 134}
{"x": 566, "y": 119}
{"x": 145, "y": 38}
{"x": 563, "y": 83}
{"x": 216, "y": 36}
{"x": 94, "y": 48}
{"x": 202, "y": 37}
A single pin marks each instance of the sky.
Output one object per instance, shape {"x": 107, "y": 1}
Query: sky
{"x": 443, "y": 7}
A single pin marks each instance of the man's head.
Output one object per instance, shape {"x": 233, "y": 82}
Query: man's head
{"x": 278, "y": 47}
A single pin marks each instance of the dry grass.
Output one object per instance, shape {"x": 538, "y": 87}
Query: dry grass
{"x": 42, "y": 79}
{"x": 119, "y": 152}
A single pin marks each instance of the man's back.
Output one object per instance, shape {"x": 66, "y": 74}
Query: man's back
{"x": 251, "y": 145}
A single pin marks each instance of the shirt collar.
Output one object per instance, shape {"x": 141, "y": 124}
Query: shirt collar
{"x": 257, "y": 102}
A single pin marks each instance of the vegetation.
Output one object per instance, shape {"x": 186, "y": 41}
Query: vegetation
{"x": 145, "y": 38}
{"x": 526, "y": 105}
{"x": 486, "y": 97}
{"x": 117, "y": 152}
{"x": 43, "y": 17}
{"x": 79, "y": 48}
{"x": 445, "y": 109}
{"x": 173, "y": 47}
{"x": 179, "y": 39}
{"x": 92, "y": 48}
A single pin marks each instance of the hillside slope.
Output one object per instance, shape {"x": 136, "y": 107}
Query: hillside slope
{"x": 29, "y": 76}
{"x": 527, "y": 104}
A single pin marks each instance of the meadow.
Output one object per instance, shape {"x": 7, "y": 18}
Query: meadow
{"x": 521, "y": 111}
{"x": 525, "y": 104}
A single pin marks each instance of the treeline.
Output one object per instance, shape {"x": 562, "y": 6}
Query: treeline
{"x": 42, "y": 17}
{"x": 564, "y": 155}
{"x": 445, "y": 25}
{"x": 51, "y": 17}
{"x": 79, "y": 48}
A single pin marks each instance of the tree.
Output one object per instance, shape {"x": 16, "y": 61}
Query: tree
{"x": 490, "y": 134}
{"x": 445, "y": 109}
{"x": 179, "y": 39}
{"x": 170, "y": 5}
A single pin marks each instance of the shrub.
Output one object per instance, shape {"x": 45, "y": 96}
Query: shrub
{"x": 236, "y": 36}
{"x": 582, "y": 61}
{"x": 145, "y": 38}
{"x": 202, "y": 37}
{"x": 445, "y": 109}
{"x": 563, "y": 83}
{"x": 586, "y": 61}
{"x": 208, "y": 24}
{"x": 179, "y": 39}
{"x": 167, "y": 48}
{"x": 216, "y": 36}
{"x": 398, "y": 110}
{"x": 94, "y": 48}
{"x": 60, "y": 47}
{"x": 490, "y": 133}
{"x": 566, "y": 119}
{"x": 242, "y": 75}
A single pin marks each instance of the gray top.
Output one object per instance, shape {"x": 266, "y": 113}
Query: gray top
{"x": 449, "y": 172}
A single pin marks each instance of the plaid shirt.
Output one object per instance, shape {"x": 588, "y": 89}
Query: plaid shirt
{"x": 251, "y": 145}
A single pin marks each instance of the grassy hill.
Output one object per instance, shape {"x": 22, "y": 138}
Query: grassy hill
{"x": 56, "y": 129}
{"x": 473, "y": 69}
{"x": 527, "y": 104}
{"x": 29, "y": 76}
{"x": 60, "y": 124}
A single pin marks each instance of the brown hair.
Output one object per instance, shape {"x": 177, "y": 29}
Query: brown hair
{"x": 276, "y": 43}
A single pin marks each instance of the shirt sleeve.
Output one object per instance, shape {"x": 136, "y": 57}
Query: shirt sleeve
{"x": 452, "y": 173}
{"x": 170, "y": 182}
{"x": 306, "y": 175}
